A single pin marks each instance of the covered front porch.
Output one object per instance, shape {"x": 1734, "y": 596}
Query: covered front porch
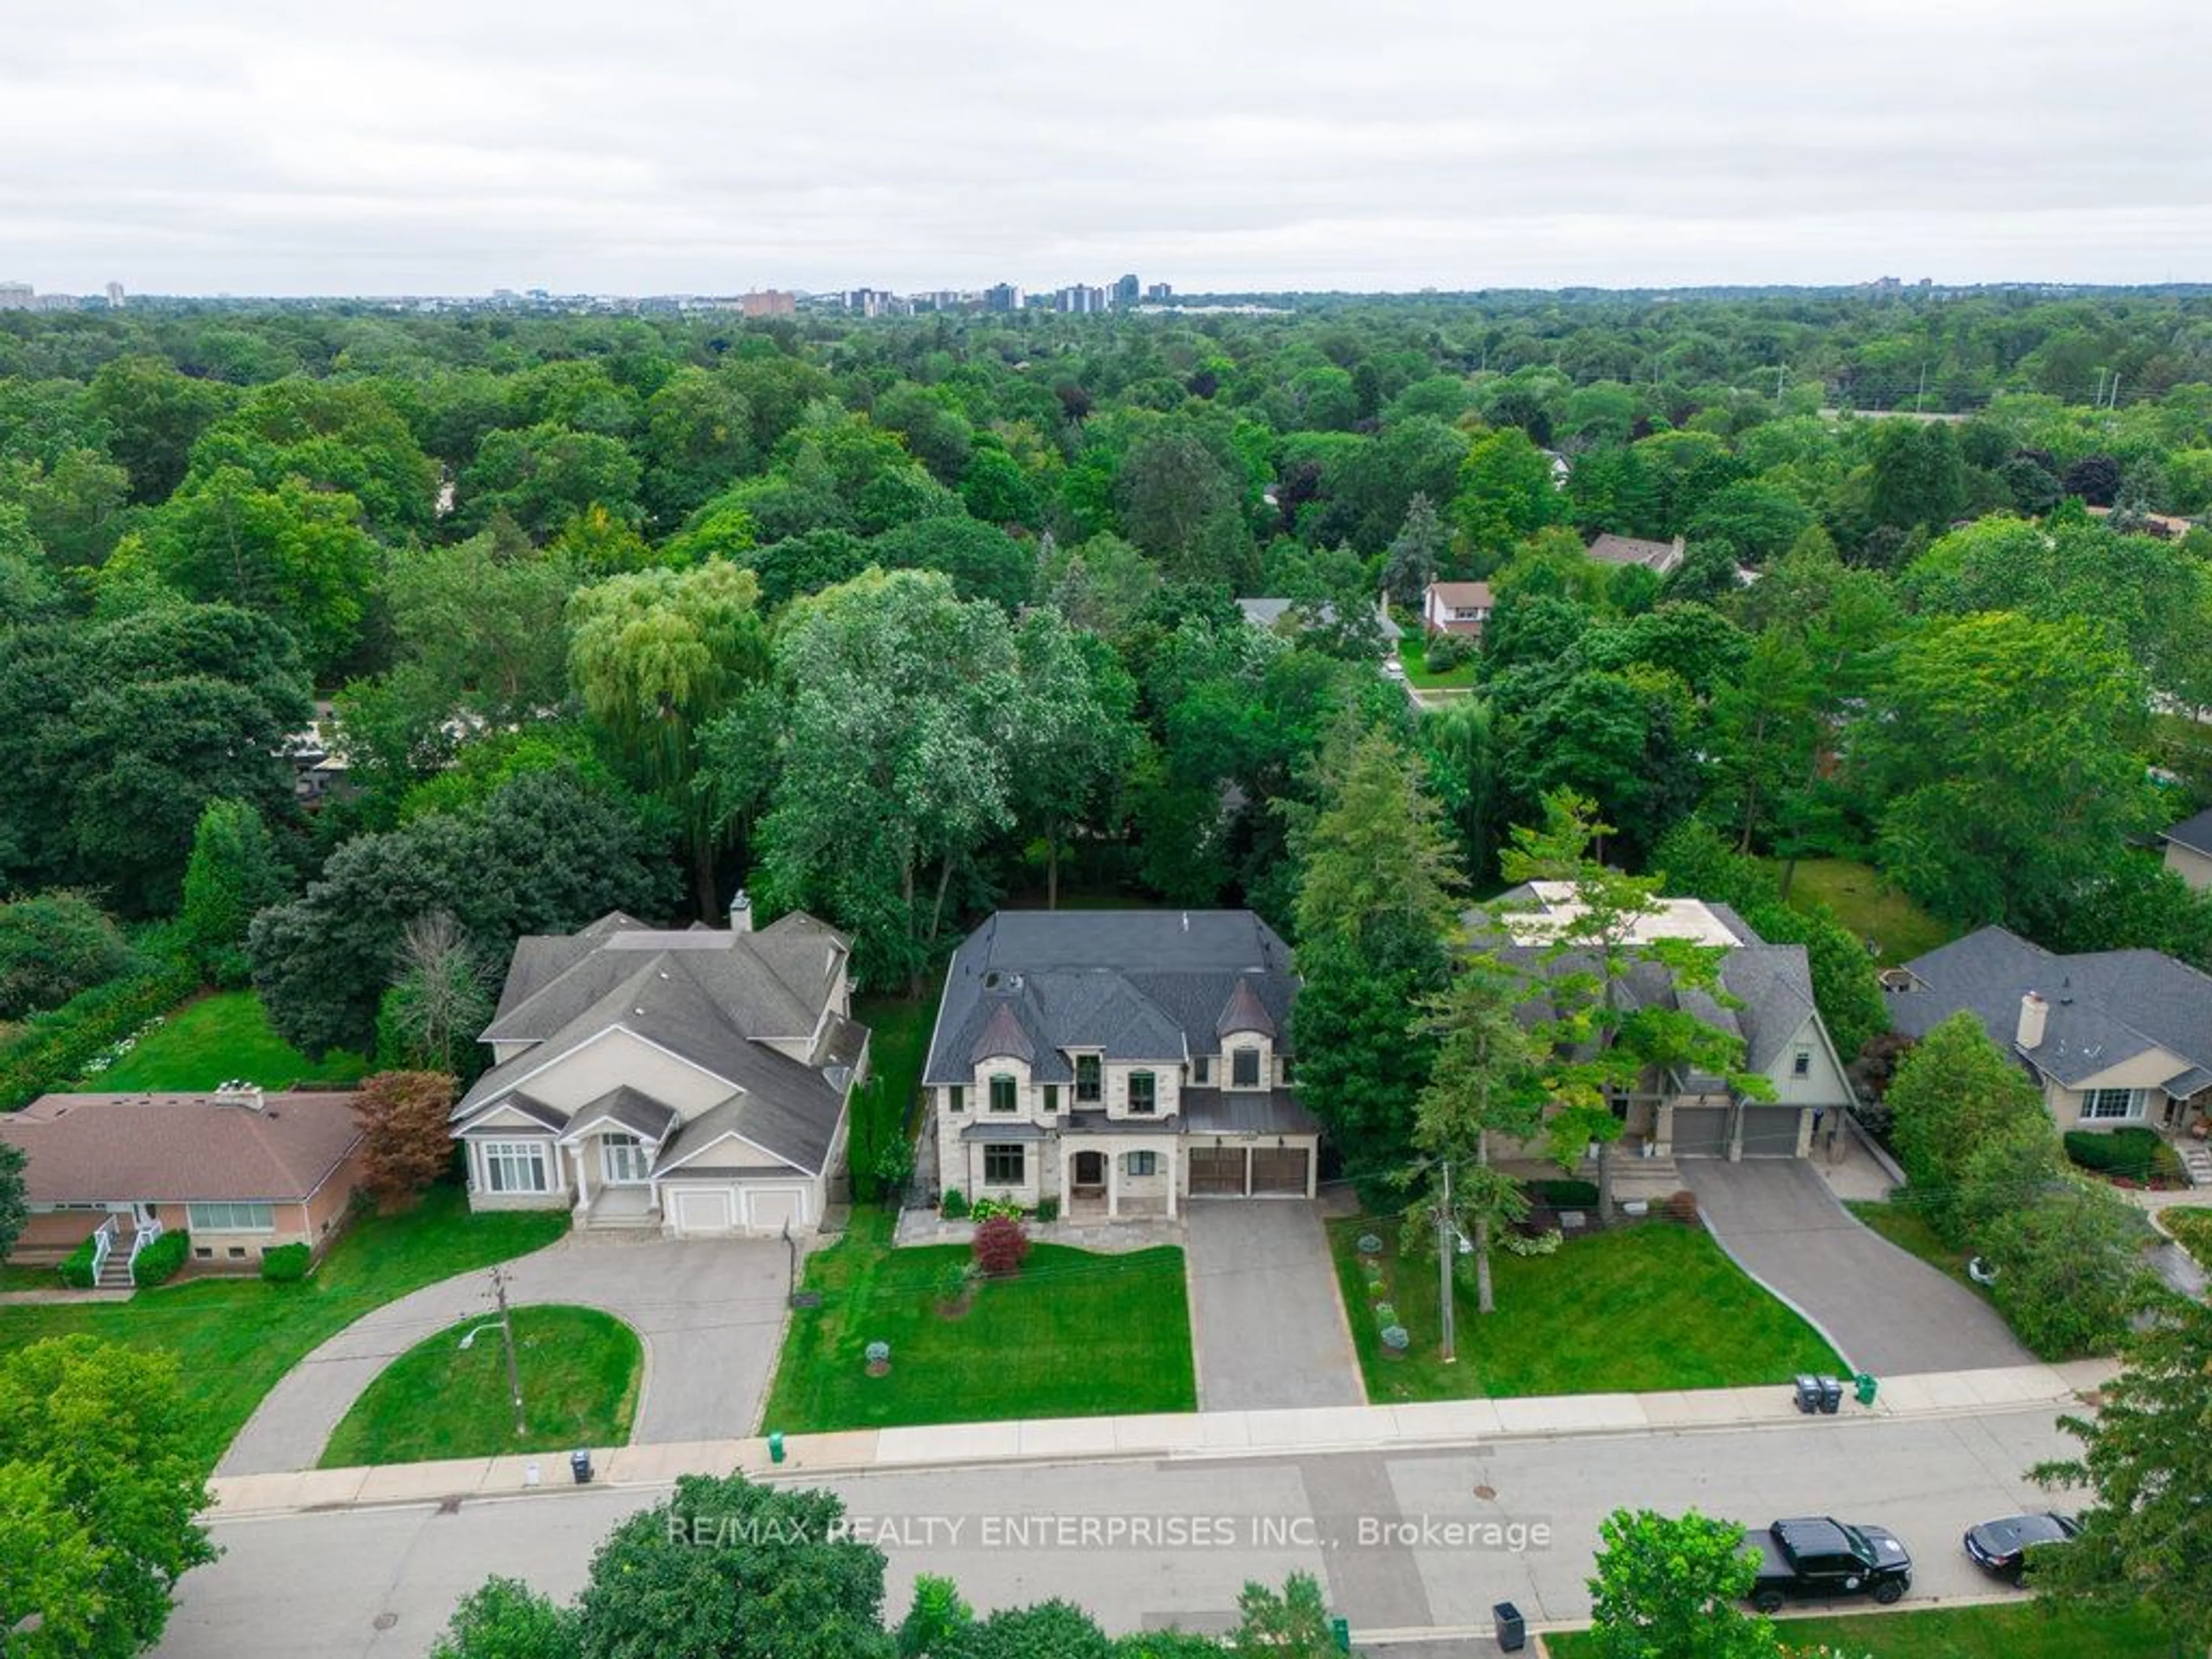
{"x": 1111, "y": 1173}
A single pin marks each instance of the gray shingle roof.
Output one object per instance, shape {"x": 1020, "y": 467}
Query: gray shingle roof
{"x": 713, "y": 998}
{"x": 2104, "y": 1007}
{"x": 2195, "y": 834}
{"x": 1134, "y": 984}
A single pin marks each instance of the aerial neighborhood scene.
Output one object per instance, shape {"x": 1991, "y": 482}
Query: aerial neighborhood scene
{"x": 744, "y": 916}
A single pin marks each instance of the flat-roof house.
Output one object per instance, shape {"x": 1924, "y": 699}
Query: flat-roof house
{"x": 1119, "y": 1060}
{"x": 240, "y": 1170}
{"x": 1660, "y": 558}
{"x": 696, "y": 1082}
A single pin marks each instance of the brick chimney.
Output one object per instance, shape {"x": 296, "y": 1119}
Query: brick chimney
{"x": 2033, "y": 1013}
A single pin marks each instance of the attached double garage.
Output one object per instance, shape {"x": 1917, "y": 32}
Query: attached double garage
{"x": 712, "y": 1208}
{"x": 1766, "y": 1131}
{"x": 1246, "y": 1170}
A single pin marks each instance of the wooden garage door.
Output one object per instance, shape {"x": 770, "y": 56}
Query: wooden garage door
{"x": 703, "y": 1210}
{"x": 1215, "y": 1170}
{"x": 1279, "y": 1170}
{"x": 1701, "y": 1132}
{"x": 1771, "y": 1131}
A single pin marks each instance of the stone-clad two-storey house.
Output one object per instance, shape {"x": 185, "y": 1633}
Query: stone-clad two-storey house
{"x": 1119, "y": 1061}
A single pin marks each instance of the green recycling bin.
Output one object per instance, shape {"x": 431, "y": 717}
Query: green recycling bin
{"x": 1866, "y": 1387}
{"x": 1339, "y": 1632}
{"x": 775, "y": 1446}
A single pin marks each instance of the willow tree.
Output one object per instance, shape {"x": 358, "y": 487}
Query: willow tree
{"x": 656, "y": 654}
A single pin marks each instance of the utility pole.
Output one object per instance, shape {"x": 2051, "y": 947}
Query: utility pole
{"x": 1923, "y": 392}
{"x": 507, "y": 1335}
{"x": 2098, "y": 402}
{"x": 1445, "y": 1231}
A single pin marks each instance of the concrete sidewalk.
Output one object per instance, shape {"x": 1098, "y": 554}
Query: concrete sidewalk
{"x": 1174, "y": 1437}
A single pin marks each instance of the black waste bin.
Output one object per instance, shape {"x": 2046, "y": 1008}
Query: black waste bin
{"x": 1808, "y": 1393}
{"x": 1831, "y": 1395}
{"x": 579, "y": 1465}
{"x": 1512, "y": 1628}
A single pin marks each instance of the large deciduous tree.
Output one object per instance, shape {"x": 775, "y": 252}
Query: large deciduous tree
{"x": 1955, "y": 1092}
{"x": 99, "y": 1493}
{"x": 656, "y": 654}
{"x": 406, "y": 1139}
{"x": 233, "y": 874}
{"x": 1668, "y": 1586}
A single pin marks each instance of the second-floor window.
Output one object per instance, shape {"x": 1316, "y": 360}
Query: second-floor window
{"x": 957, "y": 1098}
{"x": 1003, "y": 1093}
{"x": 1051, "y": 1098}
{"x": 1202, "y": 1068}
{"x": 1801, "y": 1065}
{"x": 1142, "y": 1100}
{"x": 1244, "y": 1068}
{"x": 1087, "y": 1079}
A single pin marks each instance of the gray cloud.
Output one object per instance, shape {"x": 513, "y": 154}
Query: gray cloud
{"x": 256, "y": 146}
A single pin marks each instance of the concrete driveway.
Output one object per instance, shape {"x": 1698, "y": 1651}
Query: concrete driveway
{"x": 1886, "y": 1311}
{"x": 1267, "y": 1325}
{"x": 709, "y": 1313}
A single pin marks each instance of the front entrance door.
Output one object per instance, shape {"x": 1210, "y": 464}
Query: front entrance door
{"x": 622, "y": 1160}
{"x": 1090, "y": 1172}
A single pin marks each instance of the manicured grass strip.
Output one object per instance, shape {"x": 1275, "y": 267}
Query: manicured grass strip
{"x": 898, "y": 1047}
{"x": 1905, "y": 1226}
{"x": 236, "y": 1337}
{"x": 216, "y": 1039}
{"x": 1413, "y": 655}
{"x": 2026, "y": 1629}
{"x": 1866, "y": 904}
{"x": 1076, "y": 1334}
{"x": 1654, "y": 1305}
{"x": 580, "y": 1372}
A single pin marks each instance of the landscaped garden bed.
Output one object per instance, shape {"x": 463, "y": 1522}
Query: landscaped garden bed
{"x": 1654, "y": 1305}
{"x": 2130, "y": 1156}
{"x": 579, "y": 1370}
{"x": 2022, "y": 1629}
{"x": 1069, "y": 1333}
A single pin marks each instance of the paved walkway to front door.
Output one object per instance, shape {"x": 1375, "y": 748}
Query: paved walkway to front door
{"x": 710, "y": 1312}
{"x": 1266, "y": 1322}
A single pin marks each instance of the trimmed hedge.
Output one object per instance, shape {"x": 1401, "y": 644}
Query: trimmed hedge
{"x": 1565, "y": 1195}
{"x": 159, "y": 1262}
{"x": 76, "y": 1267}
{"x": 284, "y": 1264}
{"x": 2130, "y": 1153}
{"x": 55, "y": 1047}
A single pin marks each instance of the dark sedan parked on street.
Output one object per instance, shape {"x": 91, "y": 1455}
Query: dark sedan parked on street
{"x": 2003, "y": 1547}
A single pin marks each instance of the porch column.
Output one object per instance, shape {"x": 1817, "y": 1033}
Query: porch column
{"x": 1060, "y": 1150}
{"x": 1313, "y": 1169}
{"x": 1247, "y": 1168}
{"x": 583, "y": 1180}
{"x": 1173, "y": 1177}
{"x": 1113, "y": 1186}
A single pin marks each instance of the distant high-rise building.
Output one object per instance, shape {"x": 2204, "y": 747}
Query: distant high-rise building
{"x": 16, "y": 296}
{"x": 1126, "y": 291}
{"x": 1159, "y": 294}
{"x": 768, "y": 302}
{"x": 115, "y": 294}
{"x": 1080, "y": 298}
{"x": 1003, "y": 296}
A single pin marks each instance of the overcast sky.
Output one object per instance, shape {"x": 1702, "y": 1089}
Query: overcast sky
{"x": 642, "y": 146}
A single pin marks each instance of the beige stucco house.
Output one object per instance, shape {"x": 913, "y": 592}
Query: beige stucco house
{"x": 694, "y": 1082}
{"x": 2189, "y": 850}
{"x": 2111, "y": 1037}
{"x": 1119, "y": 1062}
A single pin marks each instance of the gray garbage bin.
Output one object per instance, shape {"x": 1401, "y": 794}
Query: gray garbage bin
{"x": 1808, "y": 1393}
{"x": 1512, "y": 1628}
{"x": 1831, "y": 1395}
{"x": 579, "y": 1465}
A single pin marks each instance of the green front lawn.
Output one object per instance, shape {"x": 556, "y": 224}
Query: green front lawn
{"x": 1412, "y": 654}
{"x": 1902, "y": 1224}
{"x": 2192, "y": 1227}
{"x": 2026, "y": 1629}
{"x": 216, "y": 1038}
{"x": 1866, "y": 904}
{"x": 236, "y": 1337}
{"x": 579, "y": 1372}
{"x": 1650, "y": 1306}
{"x": 1076, "y": 1334}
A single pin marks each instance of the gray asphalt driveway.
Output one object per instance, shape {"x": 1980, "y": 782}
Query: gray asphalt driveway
{"x": 708, "y": 1311}
{"x": 1886, "y": 1311}
{"x": 1267, "y": 1322}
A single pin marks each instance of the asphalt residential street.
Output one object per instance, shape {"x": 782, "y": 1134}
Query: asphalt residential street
{"x": 709, "y": 1313}
{"x": 1407, "y": 1542}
